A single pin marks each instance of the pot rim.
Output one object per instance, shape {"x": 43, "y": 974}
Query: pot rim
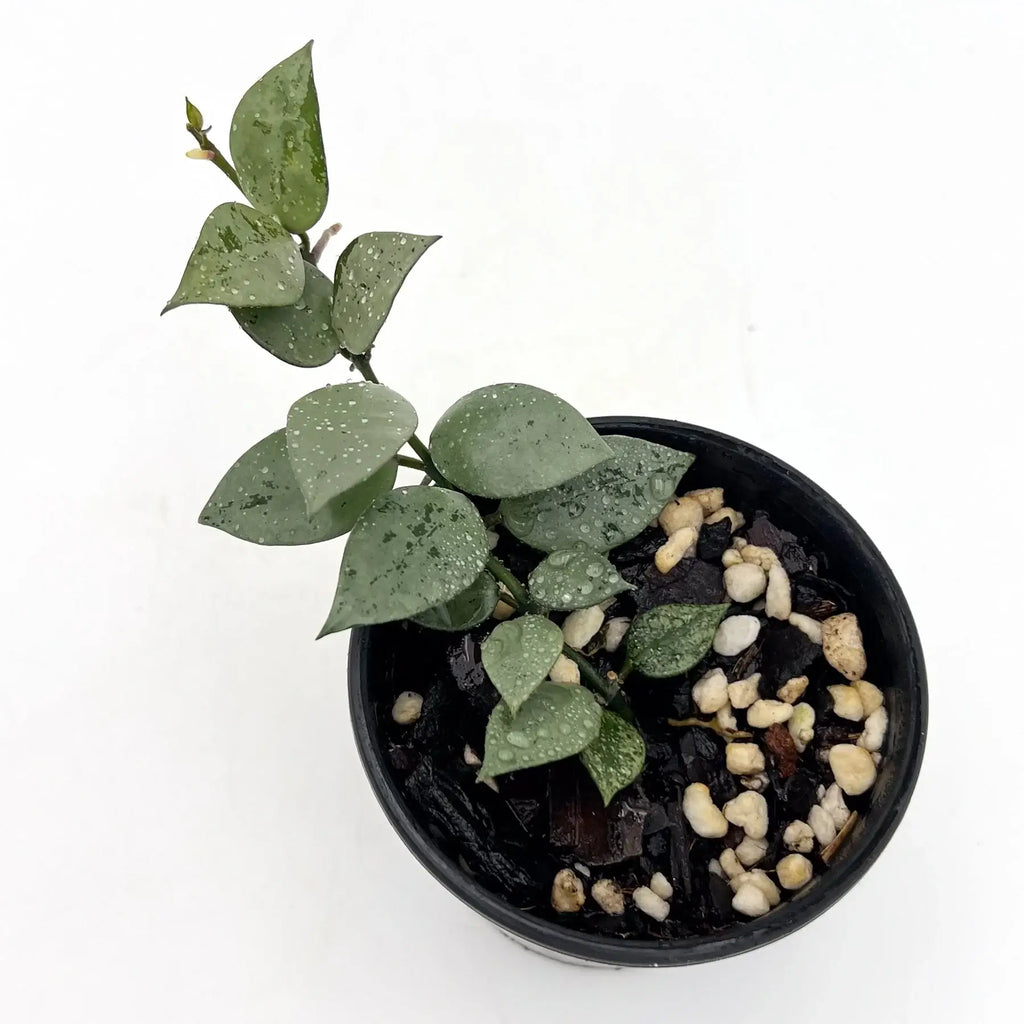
{"x": 798, "y": 911}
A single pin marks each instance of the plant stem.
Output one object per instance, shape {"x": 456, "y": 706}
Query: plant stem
{"x": 713, "y": 725}
{"x": 218, "y": 157}
{"x": 597, "y": 682}
{"x": 627, "y": 667}
{"x": 318, "y": 249}
{"x": 404, "y": 460}
{"x": 362, "y": 364}
{"x": 303, "y": 244}
{"x": 514, "y": 587}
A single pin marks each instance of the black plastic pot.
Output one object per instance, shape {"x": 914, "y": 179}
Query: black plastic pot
{"x": 752, "y": 479}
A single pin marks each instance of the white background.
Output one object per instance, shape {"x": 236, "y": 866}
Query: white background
{"x": 797, "y": 222}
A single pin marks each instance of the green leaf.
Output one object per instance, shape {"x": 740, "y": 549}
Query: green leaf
{"x": 605, "y": 506}
{"x": 556, "y": 722}
{"x": 366, "y": 280}
{"x": 301, "y": 334}
{"x": 341, "y": 434}
{"x": 672, "y": 638}
{"x": 259, "y": 499}
{"x": 412, "y": 549}
{"x": 616, "y": 758}
{"x": 518, "y": 655}
{"x": 577, "y": 577}
{"x": 464, "y": 611}
{"x": 277, "y": 147}
{"x": 242, "y": 258}
{"x": 513, "y": 439}
{"x": 193, "y": 115}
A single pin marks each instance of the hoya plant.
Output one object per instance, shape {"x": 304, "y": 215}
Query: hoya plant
{"x": 424, "y": 552}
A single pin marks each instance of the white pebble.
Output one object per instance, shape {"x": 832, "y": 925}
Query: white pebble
{"x": 822, "y": 824}
{"x": 843, "y": 645}
{"x": 711, "y": 498}
{"x": 492, "y": 539}
{"x": 760, "y": 880}
{"x": 794, "y": 871}
{"x": 669, "y": 555}
{"x": 731, "y": 864}
{"x": 875, "y": 726}
{"x": 834, "y": 803}
{"x": 615, "y": 633}
{"x": 739, "y": 543}
{"x": 811, "y": 628}
{"x": 608, "y": 896}
{"x": 650, "y": 903}
{"x": 762, "y": 557}
{"x": 846, "y": 702}
{"x": 564, "y": 670}
{"x": 407, "y": 707}
{"x": 680, "y": 512}
{"x": 853, "y": 768}
{"x": 715, "y": 868}
{"x": 793, "y": 689}
{"x": 870, "y": 696}
{"x": 700, "y": 811}
{"x": 758, "y": 783}
{"x": 750, "y": 851}
{"x": 801, "y": 726}
{"x": 763, "y": 713}
{"x": 731, "y": 557}
{"x": 726, "y": 719}
{"x": 778, "y": 601}
{"x": 743, "y": 692}
{"x": 581, "y": 626}
{"x": 799, "y": 837}
{"x": 744, "y": 582}
{"x": 744, "y": 758}
{"x": 660, "y": 886}
{"x": 471, "y": 757}
{"x": 567, "y": 894}
{"x": 735, "y": 518}
{"x": 750, "y": 901}
{"x": 736, "y": 634}
{"x": 749, "y": 810}
{"x": 711, "y": 691}
{"x": 503, "y": 610}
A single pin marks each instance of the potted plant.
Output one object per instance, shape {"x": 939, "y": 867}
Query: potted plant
{"x": 609, "y": 679}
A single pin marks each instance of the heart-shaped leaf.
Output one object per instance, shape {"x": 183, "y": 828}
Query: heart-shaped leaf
{"x": 464, "y": 611}
{"x": 518, "y": 655}
{"x": 259, "y": 499}
{"x": 616, "y": 758}
{"x": 513, "y": 439}
{"x": 277, "y": 146}
{"x": 366, "y": 280}
{"x": 242, "y": 258}
{"x": 672, "y": 638}
{"x": 605, "y": 506}
{"x": 577, "y": 577}
{"x": 413, "y": 549}
{"x": 556, "y": 722}
{"x": 301, "y": 334}
{"x": 341, "y": 434}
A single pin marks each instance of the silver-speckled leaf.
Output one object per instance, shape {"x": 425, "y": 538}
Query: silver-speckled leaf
{"x": 616, "y": 758}
{"x": 604, "y": 507}
{"x": 366, "y": 280}
{"x": 276, "y": 144}
{"x": 465, "y": 610}
{"x": 556, "y": 722}
{"x": 672, "y": 638}
{"x": 242, "y": 258}
{"x": 301, "y": 334}
{"x": 413, "y": 549}
{"x": 518, "y": 655}
{"x": 259, "y": 499}
{"x": 341, "y": 434}
{"x": 577, "y": 577}
{"x": 512, "y": 439}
